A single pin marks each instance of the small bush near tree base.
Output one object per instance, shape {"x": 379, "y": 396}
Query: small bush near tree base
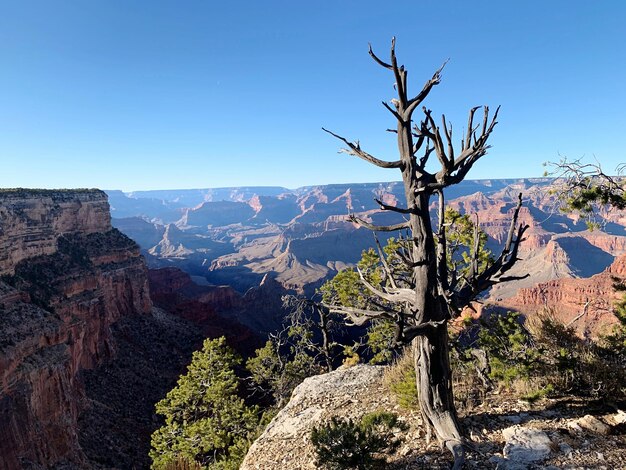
{"x": 400, "y": 379}
{"x": 576, "y": 365}
{"x": 344, "y": 444}
{"x": 513, "y": 353}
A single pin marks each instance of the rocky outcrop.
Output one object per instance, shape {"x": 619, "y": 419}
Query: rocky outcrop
{"x": 31, "y": 221}
{"x": 549, "y": 435}
{"x": 67, "y": 278}
{"x": 285, "y": 443}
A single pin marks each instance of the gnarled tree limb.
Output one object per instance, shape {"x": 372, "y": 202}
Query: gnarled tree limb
{"x": 355, "y": 149}
{"x": 378, "y": 228}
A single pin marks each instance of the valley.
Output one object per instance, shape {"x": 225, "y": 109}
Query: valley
{"x": 242, "y": 237}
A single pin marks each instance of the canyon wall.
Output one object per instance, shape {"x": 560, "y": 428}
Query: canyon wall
{"x": 585, "y": 304}
{"x": 67, "y": 276}
{"x": 31, "y": 221}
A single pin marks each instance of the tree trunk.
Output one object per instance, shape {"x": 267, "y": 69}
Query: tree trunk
{"x": 431, "y": 351}
{"x": 434, "y": 385}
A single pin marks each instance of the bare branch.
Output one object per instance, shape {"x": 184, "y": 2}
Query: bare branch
{"x": 392, "y": 111}
{"x": 448, "y": 134}
{"x": 474, "y": 147}
{"x": 377, "y": 60}
{"x": 378, "y": 228}
{"x": 442, "y": 265}
{"x": 470, "y": 129}
{"x": 435, "y": 136}
{"x": 424, "y": 159}
{"x": 477, "y": 282}
{"x": 395, "y": 295}
{"x": 412, "y": 331}
{"x": 417, "y": 100}
{"x": 355, "y": 149}
{"x": 383, "y": 261}
{"x": 400, "y": 74}
{"x": 358, "y": 316}
{"x": 386, "y": 207}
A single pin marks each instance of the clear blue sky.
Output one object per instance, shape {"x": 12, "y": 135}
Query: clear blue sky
{"x": 186, "y": 94}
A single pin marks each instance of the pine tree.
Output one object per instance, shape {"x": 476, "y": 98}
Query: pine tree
{"x": 205, "y": 420}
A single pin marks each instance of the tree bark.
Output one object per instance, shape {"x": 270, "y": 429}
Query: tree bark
{"x": 431, "y": 351}
{"x": 434, "y": 386}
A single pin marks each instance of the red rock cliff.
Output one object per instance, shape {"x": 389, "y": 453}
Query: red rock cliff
{"x": 31, "y": 221}
{"x": 585, "y": 303}
{"x": 67, "y": 276}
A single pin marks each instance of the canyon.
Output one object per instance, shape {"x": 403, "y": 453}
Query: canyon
{"x": 104, "y": 296}
{"x": 84, "y": 352}
{"x": 302, "y": 237}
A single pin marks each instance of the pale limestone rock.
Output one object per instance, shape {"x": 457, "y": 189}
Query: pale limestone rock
{"x": 593, "y": 424}
{"x": 525, "y": 445}
{"x": 349, "y": 392}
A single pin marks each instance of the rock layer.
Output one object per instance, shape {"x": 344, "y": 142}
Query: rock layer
{"x": 31, "y": 221}
{"x": 585, "y": 304}
{"x": 67, "y": 278}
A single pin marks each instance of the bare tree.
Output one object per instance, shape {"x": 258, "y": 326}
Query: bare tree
{"x": 313, "y": 319}
{"x": 422, "y": 305}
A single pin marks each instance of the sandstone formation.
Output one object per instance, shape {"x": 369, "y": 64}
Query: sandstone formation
{"x": 585, "y": 304}
{"x": 32, "y": 220}
{"x": 68, "y": 276}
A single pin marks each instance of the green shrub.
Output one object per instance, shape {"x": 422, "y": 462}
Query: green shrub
{"x": 511, "y": 350}
{"x": 537, "y": 394}
{"x": 205, "y": 420}
{"x": 401, "y": 380}
{"x": 576, "y": 365}
{"x": 381, "y": 341}
{"x": 344, "y": 444}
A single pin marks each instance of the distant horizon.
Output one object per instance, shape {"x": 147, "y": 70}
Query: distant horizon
{"x": 467, "y": 180}
{"x": 249, "y": 186}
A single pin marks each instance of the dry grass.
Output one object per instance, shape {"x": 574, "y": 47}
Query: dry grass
{"x": 182, "y": 463}
{"x": 399, "y": 379}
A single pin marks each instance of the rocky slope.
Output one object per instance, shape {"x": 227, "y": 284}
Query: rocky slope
{"x": 118, "y": 418}
{"x": 220, "y": 310}
{"x": 84, "y": 354}
{"x": 68, "y": 276}
{"x": 210, "y": 308}
{"x": 585, "y": 304}
{"x": 503, "y": 432}
{"x": 33, "y": 220}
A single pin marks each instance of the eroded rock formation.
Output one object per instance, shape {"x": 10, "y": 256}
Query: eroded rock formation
{"x": 67, "y": 277}
{"x": 585, "y": 304}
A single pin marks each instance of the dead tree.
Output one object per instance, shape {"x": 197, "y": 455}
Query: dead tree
{"x": 422, "y": 306}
